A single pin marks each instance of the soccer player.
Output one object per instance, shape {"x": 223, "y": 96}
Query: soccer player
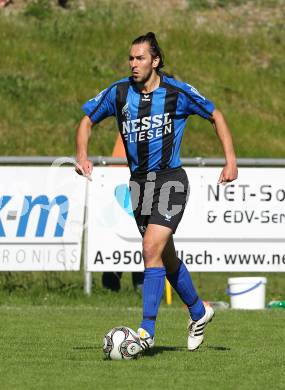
{"x": 151, "y": 109}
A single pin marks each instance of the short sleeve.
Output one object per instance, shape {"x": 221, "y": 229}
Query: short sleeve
{"x": 197, "y": 103}
{"x": 101, "y": 106}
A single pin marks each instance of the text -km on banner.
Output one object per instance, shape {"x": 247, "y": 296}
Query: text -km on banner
{"x": 239, "y": 226}
{"x": 41, "y": 218}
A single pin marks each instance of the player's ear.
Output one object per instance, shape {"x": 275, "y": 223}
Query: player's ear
{"x": 155, "y": 62}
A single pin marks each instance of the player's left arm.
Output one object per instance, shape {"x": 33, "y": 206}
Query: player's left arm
{"x": 195, "y": 103}
{"x": 230, "y": 171}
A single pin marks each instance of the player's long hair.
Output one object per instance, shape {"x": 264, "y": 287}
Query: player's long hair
{"x": 155, "y": 50}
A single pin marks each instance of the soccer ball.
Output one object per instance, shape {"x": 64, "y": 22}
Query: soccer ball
{"x": 121, "y": 343}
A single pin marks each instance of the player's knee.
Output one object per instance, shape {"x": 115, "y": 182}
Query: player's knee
{"x": 150, "y": 250}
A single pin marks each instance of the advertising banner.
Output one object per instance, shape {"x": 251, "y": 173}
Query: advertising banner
{"x": 239, "y": 226}
{"x": 41, "y": 218}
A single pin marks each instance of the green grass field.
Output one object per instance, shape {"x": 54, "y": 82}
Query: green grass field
{"x": 51, "y": 336}
{"x": 59, "y": 347}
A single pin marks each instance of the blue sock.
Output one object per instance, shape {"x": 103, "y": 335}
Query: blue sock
{"x": 182, "y": 283}
{"x": 153, "y": 287}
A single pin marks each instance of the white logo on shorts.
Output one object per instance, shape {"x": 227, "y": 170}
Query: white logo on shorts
{"x": 168, "y": 217}
{"x": 142, "y": 229}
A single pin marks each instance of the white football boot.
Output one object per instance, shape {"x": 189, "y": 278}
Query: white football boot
{"x": 196, "y": 329}
{"x": 146, "y": 340}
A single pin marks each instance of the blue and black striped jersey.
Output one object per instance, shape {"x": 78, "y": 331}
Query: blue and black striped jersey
{"x": 151, "y": 125}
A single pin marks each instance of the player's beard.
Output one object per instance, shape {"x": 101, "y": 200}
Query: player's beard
{"x": 144, "y": 79}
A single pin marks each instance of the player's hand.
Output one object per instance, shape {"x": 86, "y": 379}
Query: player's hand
{"x": 228, "y": 174}
{"x": 84, "y": 168}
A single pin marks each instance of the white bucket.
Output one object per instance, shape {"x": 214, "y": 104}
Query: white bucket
{"x": 247, "y": 293}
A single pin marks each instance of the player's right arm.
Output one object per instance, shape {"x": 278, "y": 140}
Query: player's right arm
{"x": 95, "y": 109}
{"x": 83, "y": 134}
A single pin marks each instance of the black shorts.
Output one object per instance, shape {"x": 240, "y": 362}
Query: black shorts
{"x": 159, "y": 197}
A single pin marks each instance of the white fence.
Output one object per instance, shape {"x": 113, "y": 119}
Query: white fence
{"x": 236, "y": 227}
